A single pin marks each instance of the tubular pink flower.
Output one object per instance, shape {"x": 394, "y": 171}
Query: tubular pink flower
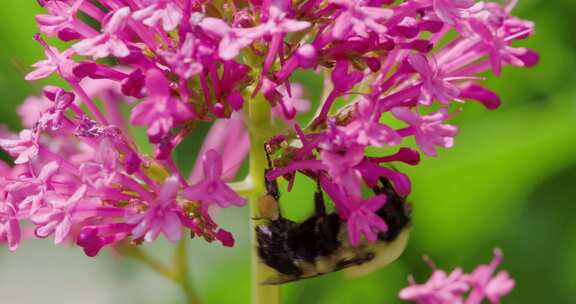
{"x": 428, "y": 130}
{"x": 53, "y": 116}
{"x": 160, "y": 111}
{"x": 364, "y": 221}
{"x": 487, "y": 285}
{"x": 366, "y": 128}
{"x": 183, "y": 62}
{"x": 232, "y": 39}
{"x": 24, "y": 148}
{"x": 359, "y": 18}
{"x": 93, "y": 238}
{"x": 475, "y": 91}
{"x": 31, "y": 192}
{"x": 459, "y": 287}
{"x": 212, "y": 189}
{"x": 161, "y": 216}
{"x": 434, "y": 84}
{"x": 31, "y": 109}
{"x": 55, "y": 62}
{"x": 107, "y": 43}
{"x": 61, "y": 21}
{"x": 230, "y": 139}
{"x": 341, "y": 167}
{"x": 57, "y": 219}
{"x": 164, "y": 11}
{"x": 179, "y": 67}
{"x": 441, "y": 288}
{"x": 454, "y": 11}
{"x": 102, "y": 170}
{"x": 9, "y": 225}
{"x": 292, "y": 102}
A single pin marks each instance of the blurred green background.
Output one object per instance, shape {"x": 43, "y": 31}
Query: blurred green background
{"x": 510, "y": 182}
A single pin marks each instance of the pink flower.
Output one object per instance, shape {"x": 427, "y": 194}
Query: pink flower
{"x": 162, "y": 215}
{"x": 60, "y": 17}
{"x": 372, "y": 172}
{"x": 279, "y": 23}
{"x": 477, "y": 92}
{"x": 212, "y": 189}
{"x": 25, "y": 147}
{"x": 31, "y": 192}
{"x": 160, "y": 111}
{"x": 52, "y": 117}
{"x": 453, "y": 11}
{"x": 9, "y": 225}
{"x": 166, "y": 12}
{"x": 107, "y": 43}
{"x": 228, "y": 137}
{"x": 183, "y": 60}
{"x": 359, "y": 17}
{"x": 487, "y": 285}
{"x": 448, "y": 289}
{"x": 434, "y": 84}
{"x": 292, "y": 102}
{"x": 341, "y": 166}
{"x": 225, "y": 237}
{"x": 344, "y": 78}
{"x": 103, "y": 169}
{"x": 80, "y": 174}
{"x": 31, "y": 109}
{"x": 93, "y": 238}
{"x": 55, "y": 61}
{"x": 428, "y": 130}
{"x": 233, "y": 40}
{"x": 61, "y": 20}
{"x": 498, "y": 45}
{"x": 58, "y": 218}
{"x": 363, "y": 219}
{"x": 441, "y": 288}
{"x": 366, "y": 128}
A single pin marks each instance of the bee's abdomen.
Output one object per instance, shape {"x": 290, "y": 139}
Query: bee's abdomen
{"x": 282, "y": 244}
{"x": 272, "y": 247}
{"x": 315, "y": 237}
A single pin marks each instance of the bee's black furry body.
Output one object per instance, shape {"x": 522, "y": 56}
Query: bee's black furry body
{"x": 320, "y": 244}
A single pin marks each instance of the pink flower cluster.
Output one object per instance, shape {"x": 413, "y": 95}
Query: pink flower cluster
{"x": 394, "y": 70}
{"x": 462, "y": 288}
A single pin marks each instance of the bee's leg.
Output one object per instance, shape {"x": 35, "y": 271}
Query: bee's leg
{"x": 320, "y": 208}
{"x": 385, "y": 188}
{"x": 386, "y": 185}
{"x": 271, "y": 186}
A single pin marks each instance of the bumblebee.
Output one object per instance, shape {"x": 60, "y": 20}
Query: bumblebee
{"x": 320, "y": 245}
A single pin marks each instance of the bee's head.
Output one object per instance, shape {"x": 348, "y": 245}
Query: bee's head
{"x": 268, "y": 208}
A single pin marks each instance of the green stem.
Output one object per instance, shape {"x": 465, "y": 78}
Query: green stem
{"x": 177, "y": 274}
{"x": 138, "y": 254}
{"x": 258, "y": 122}
{"x": 182, "y": 270}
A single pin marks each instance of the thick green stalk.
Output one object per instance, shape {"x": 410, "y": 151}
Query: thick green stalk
{"x": 259, "y": 124}
{"x": 178, "y": 273}
{"x": 182, "y": 270}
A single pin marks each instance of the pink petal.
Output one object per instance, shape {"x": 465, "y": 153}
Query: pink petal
{"x": 172, "y": 227}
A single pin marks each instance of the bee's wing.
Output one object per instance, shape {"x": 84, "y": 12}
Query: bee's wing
{"x": 385, "y": 253}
